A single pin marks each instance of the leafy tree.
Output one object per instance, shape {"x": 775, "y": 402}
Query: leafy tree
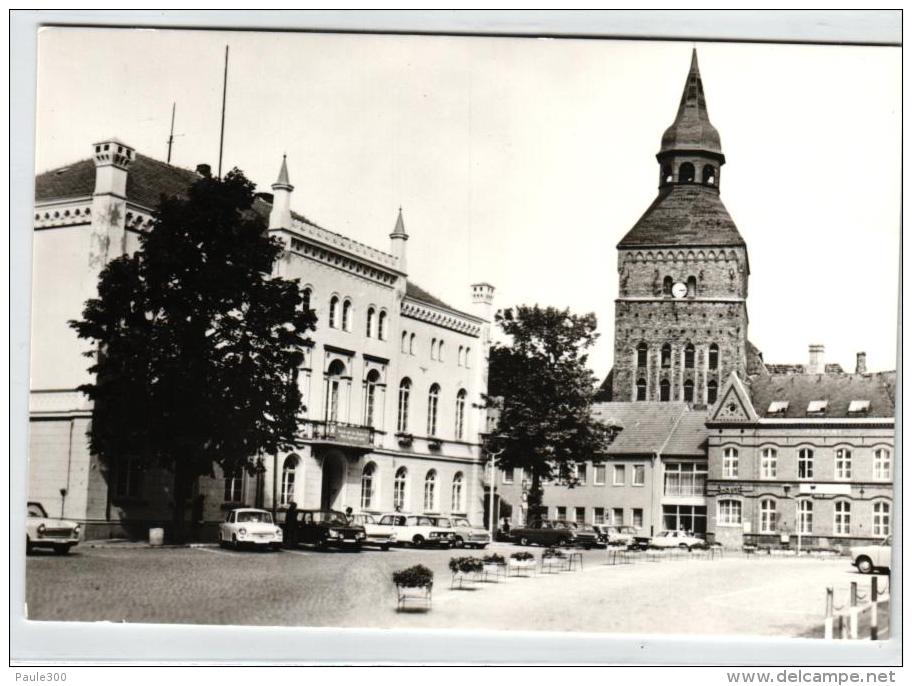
{"x": 543, "y": 390}
{"x": 197, "y": 344}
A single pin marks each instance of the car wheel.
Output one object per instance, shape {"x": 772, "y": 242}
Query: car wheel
{"x": 524, "y": 541}
{"x": 62, "y": 549}
{"x": 418, "y": 541}
{"x": 864, "y": 565}
{"x": 458, "y": 542}
{"x": 482, "y": 546}
{"x": 684, "y": 546}
{"x": 234, "y": 541}
{"x": 564, "y": 543}
{"x": 385, "y": 548}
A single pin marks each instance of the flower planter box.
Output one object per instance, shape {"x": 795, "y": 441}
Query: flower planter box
{"x": 552, "y": 564}
{"x": 494, "y": 570}
{"x": 420, "y": 595}
{"x": 522, "y": 567}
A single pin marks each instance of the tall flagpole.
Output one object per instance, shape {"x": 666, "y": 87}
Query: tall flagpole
{"x": 171, "y": 137}
{"x": 222, "y": 133}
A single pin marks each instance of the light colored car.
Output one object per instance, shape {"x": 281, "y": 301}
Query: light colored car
{"x": 416, "y": 530}
{"x": 469, "y": 536}
{"x": 247, "y": 526}
{"x": 621, "y": 535}
{"x": 42, "y": 531}
{"x": 676, "y": 539}
{"x": 380, "y": 536}
{"x": 867, "y": 558}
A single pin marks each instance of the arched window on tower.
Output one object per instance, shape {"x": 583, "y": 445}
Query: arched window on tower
{"x": 667, "y": 176}
{"x": 688, "y": 391}
{"x": 405, "y": 390}
{"x": 686, "y": 173}
{"x": 641, "y": 389}
{"x": 433, "y": 403}
{"x": 689, "y": 356}
{"x": 346, "y": 315}
{"x": 370, "y": 322}
{"x": 709, "y": 175}
{"x": 691, "y": 286}
{"x": 666, "y": 355}
{"x": 666, "y": 286}
{"x": 712, "y": 392}
{"x": 370, "y": 397}
{"x": 334, "y": 312}
{"x": 664, "y": 391}
{"x": 381, "y": 326}
{"x": 714, "y": 356}
{"x": 642, "y": 355}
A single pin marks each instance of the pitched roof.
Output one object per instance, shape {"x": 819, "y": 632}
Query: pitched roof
{"x": 147, "y": 180}
{"x": 839, "y": 390}
{"x": 684, "y": 214}
{"x": 650, "y": 427}
{"x": 692, "y": 129}
{"x": 413, "y": 290}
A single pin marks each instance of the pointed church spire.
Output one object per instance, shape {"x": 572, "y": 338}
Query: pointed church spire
{"x": 398, "y": 239}
{"x": 283, "y": 175}
{"x": 400, "y": 226}
{"x": 692, "y": 129}
{"x": 280, "y": 216}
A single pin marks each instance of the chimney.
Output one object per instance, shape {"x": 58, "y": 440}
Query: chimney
{"x": 204, "y": 170}
{"x": 109, "y": 201}
{"x": 861, "y": 363}
{"x": 280, "y": 217}
{"x": 815, "y": 359}
{"x": 112, "y": 160}
{"x": 483, "y": 300}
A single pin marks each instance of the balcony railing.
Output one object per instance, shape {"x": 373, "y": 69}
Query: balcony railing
{"x": 339, "y": 433}
{"x": 685, "y": 485}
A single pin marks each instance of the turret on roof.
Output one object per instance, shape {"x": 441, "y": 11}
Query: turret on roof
{"x": 692, "y": 129}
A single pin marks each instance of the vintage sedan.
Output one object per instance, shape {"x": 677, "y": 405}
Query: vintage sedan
{"x": 42, "y": 531}
{"x": 417, "y": 530}
{"x": 377, "y": 535}
{"x": 621, "y": 535}
{"x": 676, "y": 539}
{"x": 868, "y": 558}
{"x": 328, "y": 529}
{"x": 551, "y": 532}
{"x": 468, "y": 535}
{"x": 247, "y": 526}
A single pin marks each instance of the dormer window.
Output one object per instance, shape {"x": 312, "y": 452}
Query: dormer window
{"x": 777, "y": 408}
{"x": 859, "y": 406}
{"x": 817, "y": 408}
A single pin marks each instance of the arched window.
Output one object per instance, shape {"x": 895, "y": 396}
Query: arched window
{"x": 688, "y": 391}
{"x": 459, "y": 356}
{"x": 667, "y": 283}
{"x": 371, "y": 313}
{"x": 842, "y": 518}
{"x": 881, "y": 521}
{"x": 843, "y": 464}
{"x": 457, "y": 502}
{"x": 666, "y": 174}
{"x": 288, "y": 479}
{"x": 367, "y": 486}
{"x": 689, "y": 356}
{"x": 642, "y": 355}
{"x": 403, "y": 345}
{"x": 334, "y": 312}
{"x": 666, "y": 355}
{"x": 730, "y": 512}
{"x": 234, "y": 486}
{"x": 430, "y": 491}
{"x": 466, "y": 359}
{"x": 346, "y": 315}
{"x": 664, "y": 390}
{"x": 686, "y": 173}
{"x": 641, "y": 389}
{"x": 305, "y": 299}
{"x": 433, "y": 402}
{"x": 768, "y": 463}
{"x": 440, "y": 351}
{"x": 713, "y": 356}
{"x": 460, "y": 413}
{"x": 712, "y": 391}
{"x": 691, "y": 286}
{"x": 433, "y": 348}
{"x": 767, "y": 516}
{"x": 399, "y": 489}
{"x": 882, "y": 466}
{"x": 370, "y": 396}
{"x": 805, "y": 463}
{"x": 405, "y": 390}
{"x": 412, "y": 344}
{"x": 805, "y": 516}
{"x": 709, "y": 175}
{"x": 381, "y": 326}
{"x": 730, "y": 463}
{"x": 333, "y": 387}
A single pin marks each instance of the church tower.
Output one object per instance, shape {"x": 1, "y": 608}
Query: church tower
{"x": 681, "y": 315}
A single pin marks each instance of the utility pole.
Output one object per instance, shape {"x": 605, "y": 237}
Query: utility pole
{"x": 491, "y": 524}
{"x": 222, "y": 132}
{"x": 171, "y": 136}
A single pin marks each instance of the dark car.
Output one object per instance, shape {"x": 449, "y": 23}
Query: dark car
{"x": 328, "y": 529}
{"x": 549, "y": 532}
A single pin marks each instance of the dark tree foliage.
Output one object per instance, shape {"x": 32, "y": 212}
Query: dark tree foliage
{"x": 544, "y": 391}
{"x": 197, "y": 344}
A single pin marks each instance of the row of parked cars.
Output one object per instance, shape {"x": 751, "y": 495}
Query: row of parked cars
{"x": 333, "y": 529}
{"x": 551, "y": 532}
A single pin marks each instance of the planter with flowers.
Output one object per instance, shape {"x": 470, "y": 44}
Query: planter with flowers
{"x": 465, "y": 569}
{"x": 413, "y": 584}
{"x": 522, "y": 563}
{"x": 494, "y": 565}
{"x": 554, "y": 560}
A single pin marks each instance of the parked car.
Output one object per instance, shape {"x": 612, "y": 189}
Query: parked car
{"x": 622, "y": 535}
{"x": 42, "y": 531}
{"x": 550, "y": 532}
{"x": 867, "y": 558}
{"x": 676, "y": 539}
{"x": 417, "y": 530}
{"x": 248, "y": 526}
{"x": 468, "y": 535}
{"x": 377, "y": 535}
{"x": 328, "y": 529}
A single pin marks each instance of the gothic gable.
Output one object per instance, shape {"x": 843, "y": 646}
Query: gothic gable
{"x": 734, "y": 403}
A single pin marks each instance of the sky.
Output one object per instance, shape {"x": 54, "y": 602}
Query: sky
{"x": 523, "y": 161}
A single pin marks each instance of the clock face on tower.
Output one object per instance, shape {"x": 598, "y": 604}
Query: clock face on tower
{"x": 679, "y": 290}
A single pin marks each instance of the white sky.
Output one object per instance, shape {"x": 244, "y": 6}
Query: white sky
{"x": 523, "y": 162}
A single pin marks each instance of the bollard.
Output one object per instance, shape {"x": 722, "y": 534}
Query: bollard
{"x": 853, "y": 612}
{"x": 873, "y": 608}
{"x": 156, "y": 536}
{"x": 828, "y": 620}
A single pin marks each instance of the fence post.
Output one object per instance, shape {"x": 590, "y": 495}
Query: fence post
{"x": 874, "y": 606}
{"x": 853, "y": 612}
{"x": 828, "y": 621}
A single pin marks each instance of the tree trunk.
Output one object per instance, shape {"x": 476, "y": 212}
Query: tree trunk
{"x": 182, "y": 484}
{"x": 534, "y": 499}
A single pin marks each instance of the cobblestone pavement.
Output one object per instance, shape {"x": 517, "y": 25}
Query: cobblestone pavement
{"x": 208, "y": 585}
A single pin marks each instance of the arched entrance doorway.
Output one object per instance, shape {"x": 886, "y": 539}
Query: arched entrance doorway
{"x": 333, "y": 481}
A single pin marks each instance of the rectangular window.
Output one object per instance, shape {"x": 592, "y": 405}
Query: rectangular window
{"x": 598, "y": 515}
{"x": 842, "y": 521}
{"x": 508, "y": 475}
{"x": 843, "y": 464}
{"x": 581, "y": 473}
{"x": 882, "y": 467}
{"x": 561, "y": 513}
{"x": 805, "y": 516}
{"x": 639, "y": 475}
{"x": 729, "y": 513}
{"x": 685, "y": 479}
{"x": 638, "y": 518}
{"x": 580, "y": 515}
{"x": 730, "y": 463}
{"x": 768, "y": 461}
{"x": 619, "y": 476}
{"x": 617, "y": 516}
{"x": 598, "y": 474}
{"x": 234, "y": 485}
{"x": 805, "y": 463}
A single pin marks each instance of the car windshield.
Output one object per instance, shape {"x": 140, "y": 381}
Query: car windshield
{"x": 419, "y": 521}
{"x": 392, "y": 520}
{"x": 362, "y": 519}
{"x": 330, "y": 517}
{"x": 464, "y": 523}
{"x": 254, "y": 517}
{"x": 36, "y": 510}
{"x": 567, "y": 525}
{"x": 443, "y": 521}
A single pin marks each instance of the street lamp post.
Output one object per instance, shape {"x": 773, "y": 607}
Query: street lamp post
{"x": 493, "y": 455}
{"x": 799, "y": 524}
